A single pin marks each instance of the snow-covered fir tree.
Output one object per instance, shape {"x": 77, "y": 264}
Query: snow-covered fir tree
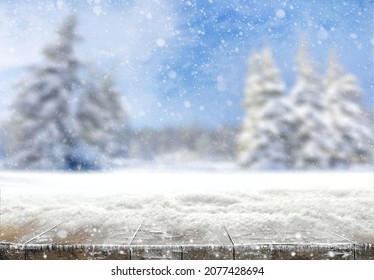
{"x": 102, "y": 117}
{"x": 310, "y": 142}
{"x": 351, "y": 133}
{"x": 252, "y": 91}
{"x": 117, "y": 119}
{"x": 262, "y": 143}
{"x": 42, "y": 131}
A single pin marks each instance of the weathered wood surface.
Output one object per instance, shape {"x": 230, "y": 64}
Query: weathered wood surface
{"x": 302, "y": 245}
{"x": 79, "y": 252}
{"x": 149, "y": 240}
{"x": 64, "y": 237}
{"x": 212, "y": 252}
{"x": 274, "y": 237}
{"x": 154, "y": 241}
{"x": 364, "y": 251}
{"x": 10, "y": 251}
{"x": 69, "y": 234}
{"x": 26, "y": 229}
{"x": 139, "y": 252}
{"x": 295, "y": 252}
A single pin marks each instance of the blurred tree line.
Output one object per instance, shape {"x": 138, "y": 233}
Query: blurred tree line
{"x": 319, "y": 123}
{"x": 191, "y": 142}
{"x": 67, "y": 115}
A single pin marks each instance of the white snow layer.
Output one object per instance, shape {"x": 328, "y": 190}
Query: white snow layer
{"x": 181, "y": 200}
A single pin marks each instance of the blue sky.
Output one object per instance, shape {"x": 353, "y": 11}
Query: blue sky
{"x": 180, "y": 62}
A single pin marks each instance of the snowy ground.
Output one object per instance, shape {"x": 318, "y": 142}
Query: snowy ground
{"x": 203, "y": 198}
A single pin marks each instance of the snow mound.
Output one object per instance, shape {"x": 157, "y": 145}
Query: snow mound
{"x": 185, "y": 201}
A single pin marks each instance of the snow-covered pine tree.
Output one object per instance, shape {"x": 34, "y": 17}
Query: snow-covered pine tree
{"x": 262, "y": 143}
{"x": 117, "y": 121}
{"x": 252, "y": 91}
{"x": 42, "y": 131}
{"x": 350, "y": 127}
{"x": 102, "y": 117}
{"x": 310, "y": 142}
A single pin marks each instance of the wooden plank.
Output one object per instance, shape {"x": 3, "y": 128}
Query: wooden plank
{"x": 70, "y": 234}
{"x": 78, "y": 252}
{"x": 157, "y": 252}
{"x": 294, "y": 252}
{"x": 21, "y": 231}
{"x": 214, "y": 252}
{"x": 299, "y": 237}
{"x": 155, "y": 241}
{"x": 41, "y": 234}
{"x": 364, "y": 251}
{"x": 94, "y": 242}
{"x": 291, "y": 245}
{"x": 10, "y": 251}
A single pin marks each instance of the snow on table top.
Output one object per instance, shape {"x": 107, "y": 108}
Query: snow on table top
{"x": 108, "y": 207}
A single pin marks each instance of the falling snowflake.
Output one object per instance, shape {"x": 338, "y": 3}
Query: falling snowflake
{"x": 160, "y": 42}
{"x": 187, "y": 104}
{"x": 97, "y": 10}
{"x": 280, "y": 13}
